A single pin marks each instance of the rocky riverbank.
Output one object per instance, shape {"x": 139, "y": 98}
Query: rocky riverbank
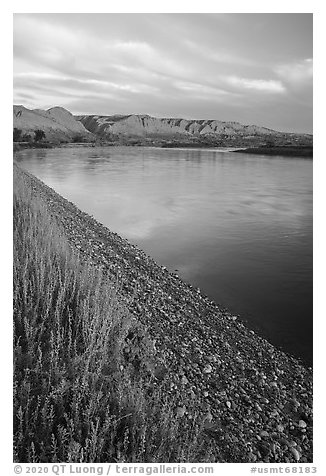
{"x": 255, "y": 401}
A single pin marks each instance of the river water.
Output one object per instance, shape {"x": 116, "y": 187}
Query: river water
{"x": 238, "y": 226}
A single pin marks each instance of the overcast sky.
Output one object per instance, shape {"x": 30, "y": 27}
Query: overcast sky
{"x": 251, "y": 68}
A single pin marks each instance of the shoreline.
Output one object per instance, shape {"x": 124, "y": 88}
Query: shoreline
{"x": 305, "y": 152}
{"x": 283, "y": 151}
{"x": 258, "y": 396}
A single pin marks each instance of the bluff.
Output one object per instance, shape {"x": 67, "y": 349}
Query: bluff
{"x": 57, "y": 123}
{"x": 142, "y": 125}
{"x": 215, "y": 132}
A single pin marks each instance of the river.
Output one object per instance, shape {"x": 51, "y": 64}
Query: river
{"x": 238, "y": 226}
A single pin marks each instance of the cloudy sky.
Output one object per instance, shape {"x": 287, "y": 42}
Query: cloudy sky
{"x": 251, "y": 68}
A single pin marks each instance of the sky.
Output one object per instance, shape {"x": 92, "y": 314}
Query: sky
{"x": 252, "y": 68}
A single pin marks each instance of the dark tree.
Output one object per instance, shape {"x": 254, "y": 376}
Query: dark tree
{"x": 78, "y": 138}
{"x": 39, "y": 135}
{"x": 26, "y": 138}
{"x": 17, "y": 134}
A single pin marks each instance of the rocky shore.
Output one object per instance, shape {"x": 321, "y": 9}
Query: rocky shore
{"x": 254, "y": 400}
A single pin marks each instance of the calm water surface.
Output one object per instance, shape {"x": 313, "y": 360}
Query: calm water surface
{"x": 235, "y": 225}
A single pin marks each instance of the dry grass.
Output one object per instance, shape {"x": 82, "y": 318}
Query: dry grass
{"x": 76, "y": 396}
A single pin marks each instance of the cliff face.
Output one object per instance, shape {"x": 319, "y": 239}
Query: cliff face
{"x": 144, "y": 125}
{"x": 61, "y": 126}
{"x": 57, "y": 123}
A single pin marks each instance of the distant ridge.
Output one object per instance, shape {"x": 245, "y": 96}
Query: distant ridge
{"x": 57, "y": 123}
{"x": 142, "y": 129}
{"x": 145, "y": 125}
{"x": 60, "y": 125}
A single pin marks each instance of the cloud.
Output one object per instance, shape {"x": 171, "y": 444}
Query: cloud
{"x": 297, "y": 73}
{"x": 138, "y": 48}
{"x": 77, "y": 59}
{"x": 258, "y": 85}
{"x": 218, "y": 55}
{"x": 86, "y": 85}
{"x": 44, "y": 44}
{"x": 204, "y": 91}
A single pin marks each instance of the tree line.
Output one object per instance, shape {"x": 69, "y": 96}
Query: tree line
{"x": 18, "y": 136}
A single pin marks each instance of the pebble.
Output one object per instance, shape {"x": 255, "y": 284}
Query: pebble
{"x": 264, "y": 448}
{"x": 296, "y": 454}
{"x": 302, "y": 424}
{"x": 295, "y": 404}
{"x": 192, "y": 394}
{"x": 284, "y": 442}
{"x": 207, "y": 369}
{"x": 292, "y": 444}
{"x": 181, "y": 411}
{"x": 208, "y": 417}
{"x": 228, "y": 404}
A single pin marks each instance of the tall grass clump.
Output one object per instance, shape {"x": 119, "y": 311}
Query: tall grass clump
{"x": 77, "y": 397}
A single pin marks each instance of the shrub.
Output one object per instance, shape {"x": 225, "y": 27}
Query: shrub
{"x": 78, "y": 138}
{"x": 17, "y": 134}
{"x": 26, "y": 138}
{"x": 39, "y": 135}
